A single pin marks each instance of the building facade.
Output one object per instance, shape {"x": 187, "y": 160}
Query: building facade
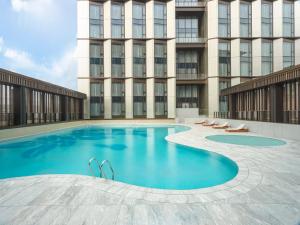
{"x": 162, "y": 59}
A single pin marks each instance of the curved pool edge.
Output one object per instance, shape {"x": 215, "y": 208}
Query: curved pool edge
{"x": 247, "y": 178}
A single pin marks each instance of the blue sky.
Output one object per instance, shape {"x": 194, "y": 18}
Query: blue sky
{"x": 38, "y": 39}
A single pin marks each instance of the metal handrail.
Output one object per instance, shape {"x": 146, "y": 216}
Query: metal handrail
{"x": 100, "y": 166}
{"x": 102, "y": 174}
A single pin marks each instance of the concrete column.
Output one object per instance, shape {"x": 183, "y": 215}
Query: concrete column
{"x": 297, "y": 18}
{"x": 172, "y": 97}
{"x": 150, "y": 19}
{"x": 278, "y": 54}
{"x": 83, "y": 73}
{"x": 256, "y": 18}
{"x": 277, "y": 18}
{"x": 83, "y": 12}
{"x": 128, "y": 19}
{"x": 235, "y": 62}
{"x": 212, "y": 17}
{"x": 213, "y": 95}
{"x": 297, "y": 51}
{"x": 107, "y": 19}
{"x": 213, "y": 58}
{"x": 107, "y": 98}
{"x": 129, "y": 98}
{"x": 256, "y": 57}
{"x": 171, "y": 19}
{"x": 150, "y": 98}
{"x": 235, "y": 18}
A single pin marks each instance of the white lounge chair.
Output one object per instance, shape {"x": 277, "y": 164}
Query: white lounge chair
{"x": 223, "y": 126}
{"x": 241, "y": 128}
{"x": 201, "y": 122}
{"x": 210, "y": 124}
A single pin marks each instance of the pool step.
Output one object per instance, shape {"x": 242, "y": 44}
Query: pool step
{"x": 100, "y": 166}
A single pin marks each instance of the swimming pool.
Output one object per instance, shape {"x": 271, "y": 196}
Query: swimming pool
{"x": 246, "y": 140}
{"x": 139, "y": 155}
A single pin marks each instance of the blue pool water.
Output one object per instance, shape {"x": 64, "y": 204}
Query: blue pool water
{"x": 139, "y": 155}
{"x": 246, "y": 140}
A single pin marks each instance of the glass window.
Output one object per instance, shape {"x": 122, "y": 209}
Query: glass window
{"x": 246, "y": 58}
{"x": 160, "y": 20}
{"x": 139, "y": 20}
{"x": 267, "y": 57}
{"x": 245, "y": 19}
{"x": 96, "y": 60}
{"x": 161, "y": 106}
{"x": 187, "y": 64}
{"x": 139, "y": 60}
{"x": 288, "y": 19}
{"x": 96, "y": 105}
{"x": 117, "y": 20}
{"x": 186, "y": 2}
{"x": 267, "y": 19}
{"x": 223, "y": 100}
{"x": 224, "y": 19}
{"x": 187, "y": 96}
{"x": 118, "y": 99}
{"x": 224, "y": 59}
{"x": 117, "y": 60}
{"x": 139, "y": 99}
{"x": 187, "y": 29}
{"x": 96, "y": 21}
{"x": 288, "y": 53}
{"x": 160, "y": 60}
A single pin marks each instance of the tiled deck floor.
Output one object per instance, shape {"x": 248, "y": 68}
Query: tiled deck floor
{"x": 265, "y": 191}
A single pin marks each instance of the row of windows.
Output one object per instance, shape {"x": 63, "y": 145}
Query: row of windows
{"x": 246, "y": 19}
{"x": 118, "y": 60}
{"x": 138, "y": 20}
{"x": 246, "y": 57}
{"x": 118, "y": 99}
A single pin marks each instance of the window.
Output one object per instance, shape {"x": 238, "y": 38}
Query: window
{"x": 96, "y": 21}
{"x": 187, "y": 64}
{"x": 288, "y": 53}
{"x": 288, "y": 19}
{"x": 224, "y": 19}
{"x": 223, "y": 100}
{"x": 96, "y": 105}
{"x": 139, "y": 60}
{"x": 139, "y": 99}
{"x": 246, "y": 58}
{"x": 245, "y": 19}
{"x": 117, "y": 60}
{"x": 187, "y": 29}
{"x": 118, "y": 99}
{"x": 160, "y": 20}
{"x": 139, "y": 20}
{"x": 187, "y": 96}
{"x": 161, "y": 106}
{"x": 117, "y": 20}
{"x": 160, "y": 60}
{"x": 96, "y": 60}
{"x": 187, "y": 3}
{"x": 267, "y": 19}
{"x": 266, "y": 57}
{"x": 224, "y": 59}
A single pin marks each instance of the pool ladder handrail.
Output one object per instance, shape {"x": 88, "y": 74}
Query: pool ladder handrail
{"x": 100, "y": 166}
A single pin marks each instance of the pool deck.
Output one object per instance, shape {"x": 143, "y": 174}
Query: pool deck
{"x": 265, "y": 191}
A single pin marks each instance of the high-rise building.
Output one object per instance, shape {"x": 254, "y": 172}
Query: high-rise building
{"x": 160, "y": 59}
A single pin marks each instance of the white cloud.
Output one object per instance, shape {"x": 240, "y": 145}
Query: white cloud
{"x": 32, "y": 6}
{"x": 61, "y": 71}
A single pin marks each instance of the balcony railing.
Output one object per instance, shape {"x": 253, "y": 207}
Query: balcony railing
{"x": 186, "y": 76}
{"x": 184, "y": 40}
{"x": 190, "y": 3}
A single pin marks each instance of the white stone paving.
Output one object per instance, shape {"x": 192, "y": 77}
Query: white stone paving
{"x": 266, "y": 190}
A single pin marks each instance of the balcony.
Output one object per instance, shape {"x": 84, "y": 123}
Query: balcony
{"x": 192, "y": 42}
{"x": 190, "y": 5}
{"x": 190, "y": 78}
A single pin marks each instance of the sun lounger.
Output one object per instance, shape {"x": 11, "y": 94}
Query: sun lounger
{"x": 223, "y": 126}
{"x": 210, "y": 124}
{"x": 201, "y": 122}
{"x": 241, "y": 128}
